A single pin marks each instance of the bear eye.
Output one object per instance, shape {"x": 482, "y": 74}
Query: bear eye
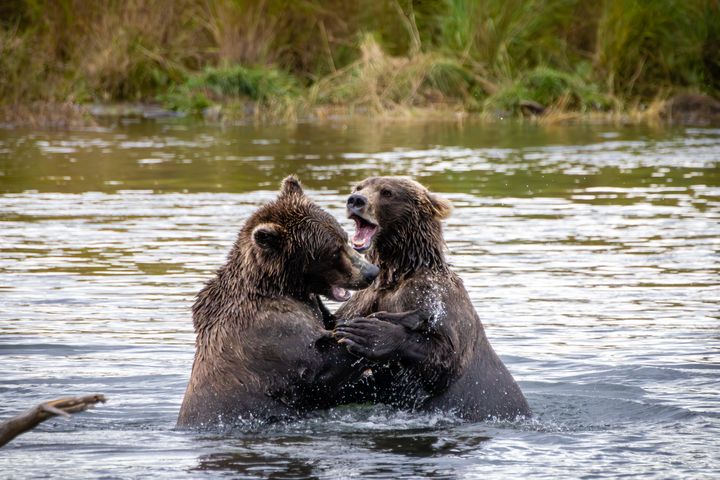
{"x": 386, "y": 193}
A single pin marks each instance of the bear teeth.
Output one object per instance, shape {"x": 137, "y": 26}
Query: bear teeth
{"x": 339, "y": 294}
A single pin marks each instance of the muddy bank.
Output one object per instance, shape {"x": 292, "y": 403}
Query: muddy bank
{"x": 682, "y": 109}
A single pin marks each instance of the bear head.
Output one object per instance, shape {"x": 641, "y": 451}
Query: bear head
{"x": 400, "y": 219}
{"x": 296, "y": 248}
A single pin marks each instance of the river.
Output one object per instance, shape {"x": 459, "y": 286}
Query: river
{"x": 590, "y": 253}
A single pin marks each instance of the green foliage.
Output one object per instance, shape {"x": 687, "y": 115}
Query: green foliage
{"x": 550, "y": 87}
{"x": 15, "y": 66}
{"x": 217, "y": 86}
{"x": 508, "y": 36}
{"x": 375, "y": 54}
{"x": 645, "y": 46}
{"x": 711, "y": 48}
{"x": 454, "y": 80}
{"x": 103, "y": 50}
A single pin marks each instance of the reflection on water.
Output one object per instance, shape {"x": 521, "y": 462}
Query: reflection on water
{"x": 591, "y": 254}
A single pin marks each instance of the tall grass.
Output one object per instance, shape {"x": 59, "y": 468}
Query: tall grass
{"x": 375, "y": 55}
{"x": 267, "y": 92}
{"x": 379, "y": 82}
{"x": 643, "y": 47}
{"x": 104, "y": 50}
{"x": 508, "y": 36}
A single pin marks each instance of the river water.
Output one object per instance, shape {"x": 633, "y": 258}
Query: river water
{"x": 590, "y": 252}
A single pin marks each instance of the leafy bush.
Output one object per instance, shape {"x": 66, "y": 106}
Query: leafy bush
{"x": 219, "y": 86}
{"x": 550, "y": 87}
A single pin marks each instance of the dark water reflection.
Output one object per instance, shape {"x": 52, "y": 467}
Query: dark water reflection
{"x": 591, "y": 254}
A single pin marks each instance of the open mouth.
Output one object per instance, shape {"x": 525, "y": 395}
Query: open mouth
{"x": 364, "y": 231}
{"x": 339, "y": 294}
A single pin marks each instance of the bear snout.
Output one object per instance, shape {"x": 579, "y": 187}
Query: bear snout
{"x": 364, "y": 272}
{"x": 356, "y": 203}
{"x": 369, "y": 272}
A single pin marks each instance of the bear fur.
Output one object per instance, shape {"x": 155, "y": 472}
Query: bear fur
{"x": 262, "y": 349}
{"x": 439, "y": 358}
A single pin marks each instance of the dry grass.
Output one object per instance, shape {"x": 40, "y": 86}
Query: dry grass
{"x": 380, "y": 83}
{"x": 45, "y": 115}
{"x": 243, "y": 32}
{"x": 134, "y": 50}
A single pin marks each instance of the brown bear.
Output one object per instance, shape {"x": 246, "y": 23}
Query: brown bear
{"x": 439, "y": 358}
{"x": 262, "y": 349}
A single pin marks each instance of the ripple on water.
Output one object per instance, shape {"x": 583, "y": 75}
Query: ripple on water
{"x": 591, "y": 257}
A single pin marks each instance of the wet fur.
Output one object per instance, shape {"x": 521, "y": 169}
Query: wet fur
{"x": 443, "y": 361}
{"x": 262, "y": 350}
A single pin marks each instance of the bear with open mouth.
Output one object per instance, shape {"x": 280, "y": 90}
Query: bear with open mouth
{"x": 439, "y": 358}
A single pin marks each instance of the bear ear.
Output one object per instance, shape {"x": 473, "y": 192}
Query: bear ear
{"x": 291, "y": 186}
{"x": 268, "y": 236}
{"x": 441, "y": 207}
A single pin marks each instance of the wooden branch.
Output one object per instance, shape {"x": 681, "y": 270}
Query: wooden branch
{"x": 30, "y": 419}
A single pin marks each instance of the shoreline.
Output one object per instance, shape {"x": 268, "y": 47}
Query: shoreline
{"x": 279, "y": 62}
{"x": 684, "y": 109}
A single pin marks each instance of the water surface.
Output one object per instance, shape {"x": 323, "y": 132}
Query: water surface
{"x": 590, "y": 253}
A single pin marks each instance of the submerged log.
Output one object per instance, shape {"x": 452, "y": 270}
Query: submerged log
{"x": 30, "y": 419}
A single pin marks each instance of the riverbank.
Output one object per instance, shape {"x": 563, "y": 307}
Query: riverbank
{"x": 689, "y": 109}
{"x": 281, "y": 61}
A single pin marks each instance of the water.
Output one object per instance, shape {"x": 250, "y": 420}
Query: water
{"x": 591, "y": 254}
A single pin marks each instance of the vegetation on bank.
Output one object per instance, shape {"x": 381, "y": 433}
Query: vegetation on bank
{"x": 283, "y": 59}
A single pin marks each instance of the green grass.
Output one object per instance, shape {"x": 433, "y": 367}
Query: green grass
{"x": 644, "y": 47}
{"x": 232, "y": 88}
{"x": 216, "y": 85}
{"x": 508, "y": 37}
{"x": 549, "y": 88}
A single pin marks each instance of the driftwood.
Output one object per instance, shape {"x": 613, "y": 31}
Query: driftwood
{"x": 30, "y": 419}
{"x": 530, "y": 108}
